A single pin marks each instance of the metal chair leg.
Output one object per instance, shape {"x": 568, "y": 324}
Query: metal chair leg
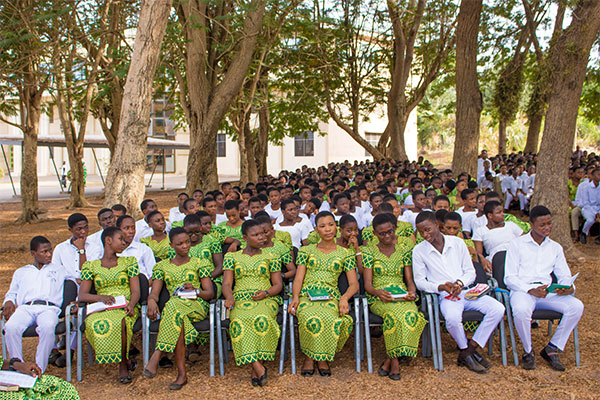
{"x": 511, "y": 329}
{"x": 429, "y": 303}
{"x": 436, "y": 312}
{"x": 550, "y": 327}
{"x": 219, "y": 334}
{"x": 68, "y": 321}
{"x": 211, "y": 335}
{"x": 292, "y": 344}
{"x": 80, "y": 323}
{"x": 369, "y": 349}
{"x": 282, "y": 349}
{"x": 576, "y": 343}
{"x": 357, "y": 340}
{"x": 2, "y": 323}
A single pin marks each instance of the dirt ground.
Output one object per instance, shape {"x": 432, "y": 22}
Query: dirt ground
{"x": 419, "y": 380}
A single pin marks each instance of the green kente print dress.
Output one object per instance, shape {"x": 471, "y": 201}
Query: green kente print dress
{"x": 253, "y": 328}
{"x": 103, "y": 328}
{"x": 180, "y": 312}
{"x": 403, "y": 229}
{"x": 47, "y": 387}
{"x": 228, "y": 231}
{"x": 323, "y": 332}
{"x": 160, "y": 249}
{"x": 281, "y": 252}
{"x": 283, "y": 237}
{"x": 402, "y": 321}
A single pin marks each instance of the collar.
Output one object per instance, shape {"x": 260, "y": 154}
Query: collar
{"x": 529, "y": 238}
{"x": 447, "y": 244}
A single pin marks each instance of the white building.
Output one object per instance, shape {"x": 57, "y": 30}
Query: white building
{"x": 330, "y": 144}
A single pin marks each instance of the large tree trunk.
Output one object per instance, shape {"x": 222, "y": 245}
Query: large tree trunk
{"x": 397, "y": 125}
{"x": 568, "y": 59}
{"x": 125, "y": 181}
{"x": 262, "y": 141}
{"x": 250, "y": 155}
{"x": 502, "y": 136}
{"x": 533, "y": 133}
{"x": 468, "y": 96}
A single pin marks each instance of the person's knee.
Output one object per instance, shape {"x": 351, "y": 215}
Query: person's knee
{"x": 46, "y": 328}
{"x": 496, "y": 311}
{"x": 520, "y": 311}
{"x": 13, "y": 328}
{"x": 575, "y": 308}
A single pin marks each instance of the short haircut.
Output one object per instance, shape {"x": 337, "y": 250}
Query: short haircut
{"x": 262, "y": 213}
{"x": 37, "y": 241}
{"x": 347, "y": 219}
{"x": 439, "y": 198}
{"x": 187, "y": 202}
{"x": 273, "y": 189}
{"x": 249, "y": 224}
{"x": 317, "y": 203}
{"x": 453, "y": 216}
{"x": 201, "y": 214}
{"x": 207, "y": 200}
{"x": 440, "y": 214}
{"x": 323, "y": 214}
{"x": 176, "y": 231}
{"x": 254, "y": 199}
{"x": 119, "y": 207}
{"x": 389, "y": 197}
{"x": 490, "y": 206}
{"x": 109, "y": 232}
{"x": 465, "y": 193}
{"x": 286, "y": 203}
{"x": 416, "y": 193}
{"x": 263, "y": 219}
{"x": 450, "y": 184}
{"x": 262, "y": 197}
{"x": 152, "y": 214}
{"x": 491, "y": 195}
{"x": 425, "y": 216}
{"x": 102, "y": 211}
{"x": 538, "y": 211}
{"x": 75, "y": 218}
{"x": 384, "y": 218}
{"x": 183, "y": 194}
{"x": 197, "y": 191}
{"x": 123, "y": 218}
{"x": 192, "y": 219}
{"x": 145, "y": 204}
{"x": 373, "y": 195}
{"x": 248, "y": 191}
{"x": 232, "y": 204}
{"x": 385, "y": 208}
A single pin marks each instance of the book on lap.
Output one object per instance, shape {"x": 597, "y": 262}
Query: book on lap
{"x": 318, "y": 294}
{"x": 120, "y": 302}
{"x": 12, "y": 379}
{"x": 396, "y": 291}
{"x": 552, "y": 288}
{"x": 481, "y": 289}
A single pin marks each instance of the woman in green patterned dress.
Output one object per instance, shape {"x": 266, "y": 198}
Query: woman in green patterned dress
{"x": 159, "y": 241}
{"x": 254, "y": 302}
{"x": 109, "y": 332}
{"x": 324, "y": 326}
{"x": 403, "y": 229}
{"x": 47, "y": 387}
{"x": 348, "y": 238}
{"x": 282, "y": 252}
{"x": 232, "y": 228}
{"x": 176, "y": 329}
{"x": 388, "y": 265}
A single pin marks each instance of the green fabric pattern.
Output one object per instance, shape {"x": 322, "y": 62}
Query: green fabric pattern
{"x": 160, "y": 249}
{"x": 403, "y": 229}
{"x": 525, "y": 226}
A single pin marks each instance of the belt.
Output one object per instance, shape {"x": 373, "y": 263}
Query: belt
{"x": 41, "y": 303}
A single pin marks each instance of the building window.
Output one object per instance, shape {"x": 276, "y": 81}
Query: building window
{"x": 161, "y": 126}
{"x": 373, "y": 139}
{"x": 157, "y": 163}
{"x": 221, "y": 145}
{"x": 304, "y": 145}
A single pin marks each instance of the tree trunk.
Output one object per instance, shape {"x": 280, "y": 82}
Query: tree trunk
{"x": 29, "y": 178}
{"x": 533, "y": 133}
{"x": 397, "y": 126}
{"x": 568, "y": 59}
{"x": 250, "y": 155}
{"x": 241, "y": 126}
{"x": 468, "y": 96}
{"x": 502, "y": 137}
{"x": 262, "y": 141}
{"x": 125, "y": 181}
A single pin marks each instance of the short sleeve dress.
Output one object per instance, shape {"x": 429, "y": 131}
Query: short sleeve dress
{"x": 179, "y": 312}
{"x": 253, "y": 328}
{"x": 103, "y": 328}
{"x": 403, "y": 229}
{"x": 160, "y": 249}
{"x": 323, "y": 332}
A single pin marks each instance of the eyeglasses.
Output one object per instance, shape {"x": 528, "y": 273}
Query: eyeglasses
{"x": 191, "y": 233}
{"x": 387, "y": 233}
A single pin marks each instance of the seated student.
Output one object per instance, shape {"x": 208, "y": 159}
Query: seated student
{"x": 72, "y": 253}
{"x": 455, "y": 200}
{"x": 312, "y": 209}
{"x": 220, "y": 200}
{"x": 388, "y": 264}
{"x": 574, "y": 185}
{"x": 419, "y": 204}
{"x": 451, "y": 225}
{"x": 355, "y": 209}
{"x": 282, "y": 251}
{"x": 441, "y": 202}
{"x": 106, "y": 218}
{"x": 442, "y": 265}
{"x": 511, "y": 187}
{"x": 142, "y": 253}
{"x": 348, "y": 238}
{"x": 45, "y": 387}
{"x": 210, "y": 206}
{"x": 176, "y": 213}
{"x": 232, "y": 228}
{"x": 159, "y": 241}
{"x": 403, "y": 229}
{"x": 430, "y": 195}
{"x": 118, "y": 210}
{"x": 590, "y": 205}
{"x": 486, "y": 181}
{"x": 341, "y": 203}
{"x": 176, "y": 328}
{"x": 375, "y": 199}
{"x": 190, "y": 206}
{"x": 363, "y": 195}
{"x": 468, "y": 210}
{"x": 489, "y": 196}
{"x": 293, "y": 224}
{"x": 274, "y": 206}
{"x": 109, "y": 332}
{"x": 530, "y": 261}
{"x": 254, "y": 302}
{"x": 254, "y": 206}
{"x": 142, "y": 228}
{"x": 35, "y": 297}
{"x": 494, "y": 236}
{"x": 278, "y": 236}
{"x": 478, "y": 219}
{"x": 198, "y": 195}
{"x": 407, "y": 197}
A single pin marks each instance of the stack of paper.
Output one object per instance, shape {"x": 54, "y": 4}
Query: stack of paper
{"x": 476, "y": 292}
{"x": 187, "y": 294}
{"x": 120, "y": 302}
{"x": 10, "y": 379}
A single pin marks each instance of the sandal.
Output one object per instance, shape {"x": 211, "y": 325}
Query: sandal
{"x": 381, "y": 371}
{"x": 125, "y": 379}
{"x": 147, "y": 374}
{"x": 263, "y": 379}
{"x": 324, "y": 372}
{"x": 177, "y": 386}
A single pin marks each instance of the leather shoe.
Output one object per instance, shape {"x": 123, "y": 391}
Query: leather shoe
{"x": 528, "y": 361}
{"x": 583, "y": 238}
{"x": 177, "y": 386}
{"x": 481, "y": 360}
{"x": 381, "y": 371}
{"x": 467, "y": 360}
{"x": 550, "y": 354}
{"x": 394, "y": 377}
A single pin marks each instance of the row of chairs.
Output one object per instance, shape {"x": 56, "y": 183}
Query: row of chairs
{"x": 363, "y": 320}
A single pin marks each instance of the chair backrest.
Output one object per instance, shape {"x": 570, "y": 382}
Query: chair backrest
{"x": 163, "y": 297}
{"x": 498, "y": 268}
{"x": 144, "y": 289}
{"x": 343, "y": 283}
{"x": 480, "y": 275}
{"x": 69, "y": 295}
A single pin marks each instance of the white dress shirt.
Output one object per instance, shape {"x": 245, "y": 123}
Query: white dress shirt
{"x": 175, "y": 215}
{"x": 144, "y": 256}
{"x": 220, "y": 218}
{"x": 299, "y": 232}
{"x": 96, "y": 240}
{"x": 432, "y": 268}
{"x": 529, "y": 265}
{"x": 467, "y": 219}
{"x": 142, "y": 230}
{"x": 497, "y": 239}
{"x": 590, "y": 198}
{"x": 30, "y": 283}
{"x": 67, "y": 255}
{"x": 409, "y": 216}
{"x": 510, "y": 183}
{"x": 274, "y": 214}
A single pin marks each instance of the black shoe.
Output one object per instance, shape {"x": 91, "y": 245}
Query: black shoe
{"x": 177, "y": 386}
{"x": 62, "y": 343}
{"x": 394, "y": 377}
{"x": 550, "y": 354}
{"x": 376, "y": 332}
{"x": 469, "y": 362}
{"x": 61, "y": 361}
{"x": 132, "y": 365}
{"x": 324, "y": 371}
{"x": 133, "y": 352}
{"x": 481, "y": 360}
{"x": 53, "y": 357}
{"x": 528, "y": 360}
{"x": 164, "y": 362}
{"x": 535, "y": 325}
{"x": 404, "y": 360}
{"x": 583, "y": 238}
{"x": 307, "y": 372}
{"x": 263, "y": 379}
{"x": 255, "y": 382}
{"x": 381, "y": 371}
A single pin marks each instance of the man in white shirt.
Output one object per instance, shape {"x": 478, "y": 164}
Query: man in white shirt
{"x": 72, "y": 253}
{"x": 35, "y": 297}
{"x": 469, "y": 210}
{"x": 442, "y": 264}
{"x": 483, "y": 157}
{"x": 590, "y": 204}
{"x": 531, "y": 260}
{"x": 176, "y": 213}
{"x": 141, "y": 227}
{"x": 511, "y": 187}
{"x": 142, "y": 253}
{"x": 106, "y": 218}
{"x": 294, "y": 225}
{"x": 486, "y": 182}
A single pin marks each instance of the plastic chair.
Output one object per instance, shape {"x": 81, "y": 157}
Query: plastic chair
{"x": 69, "y": 296}
{"x": 498, "y": 269}
{"x": 138, "y": 325}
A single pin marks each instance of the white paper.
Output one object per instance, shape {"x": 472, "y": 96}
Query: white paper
{"x": 13, "y": 378}
{"x": 573, "y": 279}
{"x": 120, "y": 302}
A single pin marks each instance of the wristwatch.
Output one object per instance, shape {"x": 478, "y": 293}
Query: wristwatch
{"x": 459, "y": 282}
{"x": 11, "y": 363}
{"x": 267, "y": 293}
{"x": 81, "y": 251}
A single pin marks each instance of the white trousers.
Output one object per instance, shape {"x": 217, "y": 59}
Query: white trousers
{"x": 46, "y": 318}
{"x": 523, "y": 304}
{"x": 509, "y": 199}
{"x": 453, "y": 310}
{"x": 589, "y": 214}
{"x": 523, "y": 201}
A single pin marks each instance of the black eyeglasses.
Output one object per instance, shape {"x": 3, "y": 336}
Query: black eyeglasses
{"x": 387, "y": 233}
